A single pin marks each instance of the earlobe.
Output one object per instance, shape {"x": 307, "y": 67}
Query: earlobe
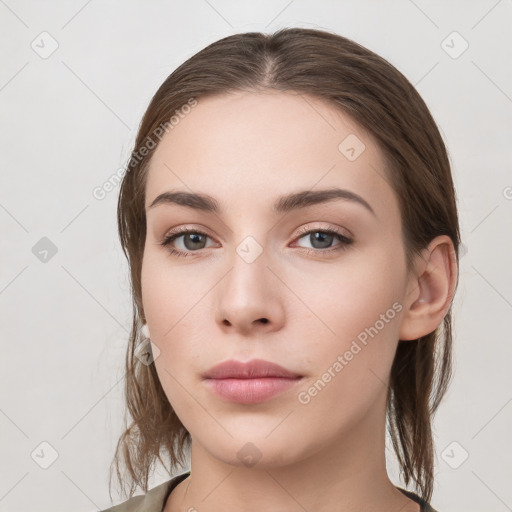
{"x": 145, "y": 330}
{"x": 431, "y": 289}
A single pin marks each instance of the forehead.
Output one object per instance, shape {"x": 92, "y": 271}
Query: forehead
{"x": 247, "y": 148}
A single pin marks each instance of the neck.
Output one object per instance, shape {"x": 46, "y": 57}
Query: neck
{"x": 346, "y": 475}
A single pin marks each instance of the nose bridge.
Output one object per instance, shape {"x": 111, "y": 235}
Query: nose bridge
{"x": 250, "y": 290}
{"x": 249, "y": 273}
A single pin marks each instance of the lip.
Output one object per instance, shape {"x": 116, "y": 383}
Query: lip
{"x": 255, "y": 368}
{"x": 249, "y": 383}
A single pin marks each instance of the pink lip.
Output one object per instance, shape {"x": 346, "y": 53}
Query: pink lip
{"x": 254, "y": 368}
{"x": 250, "y": 391}
{"x": 251, "y": 382}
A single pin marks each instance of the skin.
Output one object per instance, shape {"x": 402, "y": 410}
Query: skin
{"x": 246, "y": 149}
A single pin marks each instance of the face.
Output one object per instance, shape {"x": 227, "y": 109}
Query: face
{"x": 314, "y": 286}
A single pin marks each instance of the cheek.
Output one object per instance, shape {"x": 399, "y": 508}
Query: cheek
{"x": 170, "y": 293}
{"x": 350, "y": 331}
{"x": 175, "y": 306}
{"x": 351, "y": 367}
{"x": 344, "y": 298}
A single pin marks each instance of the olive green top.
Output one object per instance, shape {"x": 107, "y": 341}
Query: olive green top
{"x": 154, "y": 500}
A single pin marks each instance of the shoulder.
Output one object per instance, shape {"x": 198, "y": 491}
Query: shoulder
{"x": 154, "y": 499}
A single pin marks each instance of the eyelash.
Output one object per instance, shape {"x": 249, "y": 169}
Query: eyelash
{"x": 303, "y": 232}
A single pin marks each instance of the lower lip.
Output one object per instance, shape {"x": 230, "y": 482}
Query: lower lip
{"x": 250, "y": 391}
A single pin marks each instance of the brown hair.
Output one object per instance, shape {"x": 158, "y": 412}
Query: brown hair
{"x": 365, "y": 86}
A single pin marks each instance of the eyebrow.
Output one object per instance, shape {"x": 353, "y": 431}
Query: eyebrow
{"x": 284, "y": 204}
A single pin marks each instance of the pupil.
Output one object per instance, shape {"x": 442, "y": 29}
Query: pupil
{"x": 323, "y": 238}
{"x": 195, "y": 239}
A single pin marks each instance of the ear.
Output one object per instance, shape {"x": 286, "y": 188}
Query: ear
{"x": 431, "y": 287}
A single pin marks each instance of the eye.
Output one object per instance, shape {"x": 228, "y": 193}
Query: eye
{"x": 193, "y": 240}
{"x": 322, "y": 239}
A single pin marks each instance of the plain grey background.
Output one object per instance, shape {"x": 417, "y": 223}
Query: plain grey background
{"x": 75, "y": 79}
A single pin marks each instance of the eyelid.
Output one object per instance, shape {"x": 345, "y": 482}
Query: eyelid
{"x": 183, "y": 230}
{"x": 316, "y": 226}
{"x": 304, "y": 230}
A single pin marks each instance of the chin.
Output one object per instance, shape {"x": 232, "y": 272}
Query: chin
{"x": 257, "y": 451}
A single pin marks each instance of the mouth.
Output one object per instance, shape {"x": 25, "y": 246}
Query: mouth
{"x": 249, "y": 383}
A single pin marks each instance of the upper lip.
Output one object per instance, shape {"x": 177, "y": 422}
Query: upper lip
{"x": 249, "y": 370}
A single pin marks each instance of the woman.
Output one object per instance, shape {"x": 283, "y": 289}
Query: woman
{"x": 290, "y": 222}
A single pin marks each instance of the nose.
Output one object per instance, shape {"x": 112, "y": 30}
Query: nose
{"x": 250, "y": 298}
